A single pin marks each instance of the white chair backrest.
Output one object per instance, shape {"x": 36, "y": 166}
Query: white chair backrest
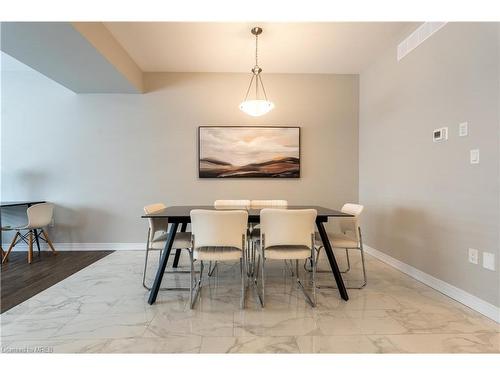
{"x": 269, "y": 203}
{"x": 234, "y": 204}
{"x": 219, "y": 228}
{"x": 287, "y": 227}
{"x": 40, "y": 215}
{"x": 156, "y": 224}
{"x": 351, "y": 224}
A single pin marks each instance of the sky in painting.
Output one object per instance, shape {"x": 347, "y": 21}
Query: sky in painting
{"x": 241, "y": 146}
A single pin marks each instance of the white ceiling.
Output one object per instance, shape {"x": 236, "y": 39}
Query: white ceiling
{"x": 335, "y": 47}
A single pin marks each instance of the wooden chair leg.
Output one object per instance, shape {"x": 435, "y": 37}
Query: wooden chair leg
{"x": 49, "y": 242}
{"x": 30, "y": 246}
{"x": 12, "y": 244}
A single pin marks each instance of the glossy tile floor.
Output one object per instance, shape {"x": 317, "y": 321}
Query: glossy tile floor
{"x": 103, "y": 308}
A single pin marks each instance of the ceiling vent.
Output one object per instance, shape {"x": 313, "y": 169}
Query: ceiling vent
{"x": 417, "y": 37}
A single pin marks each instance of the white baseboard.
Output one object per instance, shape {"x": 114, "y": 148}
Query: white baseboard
{"x": 475, "y": 303}
{"x": 74, "y": 246}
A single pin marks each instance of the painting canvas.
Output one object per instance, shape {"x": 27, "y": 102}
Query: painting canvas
{"x": 243, "y": 151}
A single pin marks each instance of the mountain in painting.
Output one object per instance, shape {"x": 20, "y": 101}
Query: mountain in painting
{"x": 278, "y": 167}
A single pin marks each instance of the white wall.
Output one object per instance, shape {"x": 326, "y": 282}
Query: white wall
{"x": 426, "y": 205}
{"x": 101, "y": 158}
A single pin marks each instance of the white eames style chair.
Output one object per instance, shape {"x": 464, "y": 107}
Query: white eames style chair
{"x": 287, "y": 235}
{"x": 39, "y": 217}
{"x": 218, "y": 236}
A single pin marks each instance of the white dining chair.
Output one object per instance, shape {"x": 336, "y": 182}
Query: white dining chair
{"x": 229, "y": 204}
{"x": 287, "y": 235}
{"x": 349, "y": 238}
{"x": 157, "y": 237}
{"x": 254, "y": 230}
{"x": 232, "y": 204}
{"x": 39, "y": 216}
{"x": 218, "y": 236}
{"x": 268, "y": 203}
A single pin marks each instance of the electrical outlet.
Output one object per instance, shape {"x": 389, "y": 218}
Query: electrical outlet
{"x": 473, "y": 256}
{"x": 489, "y": 261}
{"x": 463, "y": 129}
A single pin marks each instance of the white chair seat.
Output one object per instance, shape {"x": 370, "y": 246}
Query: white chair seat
{"x": 338, "y": 240}
{"x": 182, "y": 241}
{"x": 217, "y": 253}
{"x": 287, "y": 252}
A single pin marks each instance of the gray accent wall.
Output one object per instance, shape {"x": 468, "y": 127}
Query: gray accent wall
{"x": 425, "y": 203}
{"x": 101, "y": 158}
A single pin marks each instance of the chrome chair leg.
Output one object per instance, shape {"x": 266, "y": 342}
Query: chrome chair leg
{"x": 326, "y": 271}
{"x": 288, "y": 268}
{"x": 211, "y": 269}
{"x": 147, "y": 287}
{"x": 255, "y": 281}
{"x": 365, "y": 280}
{"x": 144, "y": 271}
{"x": 311, "y": 301}
{"x": 262, "y": 299}
{"x": 196, "y": 284}
{"x": 242, "y": 274}
{"x": 362, "y": 258}
{"x": 348, "y": 262}
{"x": 313, "y": 261}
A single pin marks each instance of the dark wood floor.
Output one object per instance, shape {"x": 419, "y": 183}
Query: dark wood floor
{"x": 20, "y": 280}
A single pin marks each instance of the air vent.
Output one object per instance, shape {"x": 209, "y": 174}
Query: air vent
{"x": 418, "y": 37}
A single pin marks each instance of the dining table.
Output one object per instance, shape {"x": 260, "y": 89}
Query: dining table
{"x": 181, "y": 215}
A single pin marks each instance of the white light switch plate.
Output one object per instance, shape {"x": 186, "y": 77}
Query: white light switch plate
{"x": 463, "y": 129}
{"x": 489, "y": 261}
{"x": 474, "y": 156}
{"x": 473, "y": 256}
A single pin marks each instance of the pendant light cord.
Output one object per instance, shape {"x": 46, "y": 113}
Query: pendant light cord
{"x": 256, "y": 50}
{"x": 256, "y": 74}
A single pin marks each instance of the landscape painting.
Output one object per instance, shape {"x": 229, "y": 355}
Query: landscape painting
{"x": 243, "y": 151}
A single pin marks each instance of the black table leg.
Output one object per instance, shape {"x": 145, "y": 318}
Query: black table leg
{"x": 178, "y": 251}
{"x": 333, "y": 262}
{"x": 163, "y": 263}
{"x": 37, "y": 241}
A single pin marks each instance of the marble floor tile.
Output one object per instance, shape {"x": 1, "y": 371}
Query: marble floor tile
{"x": 274, "y": 323}
{"x": 336, "y": 344}
{"x": 249, "y": 345}
{"x": 191, "y": 322}
{"x": 438, "y": 343}
{"x": 104, "y": 309}
{"x": 358, "y": 322}
{"x": 86, "y": 326}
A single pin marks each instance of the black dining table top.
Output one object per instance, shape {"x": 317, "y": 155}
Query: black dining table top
{"x": 182, "y": 213}
{"x": 19, "y": 203}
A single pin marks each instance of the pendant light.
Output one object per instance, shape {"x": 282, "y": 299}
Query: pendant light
{"x": 256, "y": 107}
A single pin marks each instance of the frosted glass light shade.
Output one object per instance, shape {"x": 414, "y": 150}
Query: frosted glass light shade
{"x": 256, "y": 108}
